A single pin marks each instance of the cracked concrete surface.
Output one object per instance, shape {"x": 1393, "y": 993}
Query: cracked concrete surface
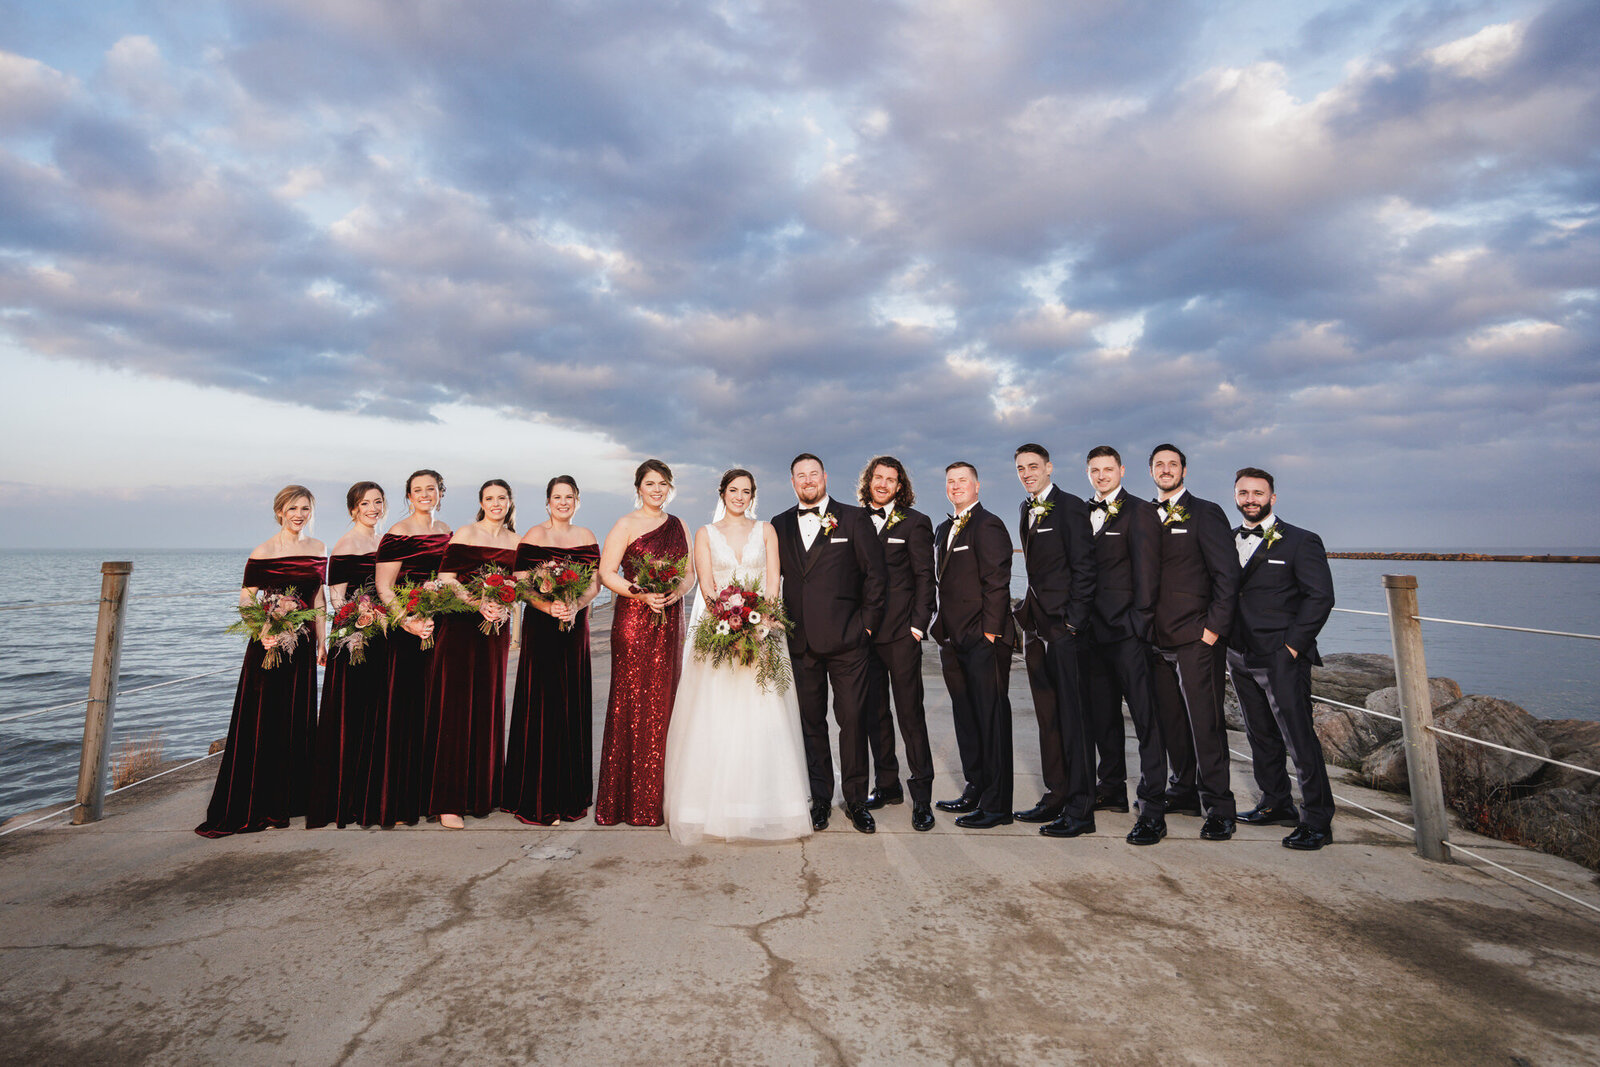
{"x": 134, "y": 941}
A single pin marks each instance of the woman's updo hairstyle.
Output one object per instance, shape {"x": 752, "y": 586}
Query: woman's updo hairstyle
{"x": 425, "y": 472}
{"x": 563, "y": 479}
{"x": 737, "y": 472}
{"x": 359, "y": 490}
{"x": 651, "y": 465}
{"x": 288, "y": 495}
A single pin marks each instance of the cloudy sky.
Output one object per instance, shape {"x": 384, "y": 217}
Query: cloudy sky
{"x": 243, "y": 244}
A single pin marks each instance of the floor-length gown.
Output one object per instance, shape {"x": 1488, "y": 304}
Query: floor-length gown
{"x": 265, "y": 776}
{"x": 464, "y": 720}
{"x": 646, "y": 658}
{"x": 393, "y": 792}
{"x": 351, "y": 693}
{"x": 736, "y": 760}
{"x": 549, "y": 760}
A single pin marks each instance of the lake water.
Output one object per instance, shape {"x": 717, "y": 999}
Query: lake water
{"x": 45, "y": 653}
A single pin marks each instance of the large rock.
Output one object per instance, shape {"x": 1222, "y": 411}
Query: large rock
{"x": 1350, "y": 676}
{"x": 1441, "y": 691}
{"x": 1230, "y": 707}
{"x": 1563, "y": 821}
{"x": 1385, "y": 768}
{"x": 1347, "y": 736}
{"x": 1574, "y": 741}
{"x": 1468, "y": 768}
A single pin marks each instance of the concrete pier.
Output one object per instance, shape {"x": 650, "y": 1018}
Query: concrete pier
{"x": 134, "y": 941}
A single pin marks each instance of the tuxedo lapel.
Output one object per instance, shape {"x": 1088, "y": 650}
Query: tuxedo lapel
{"x": 1256, "y": 557}
{"x": 1024, "y": 528}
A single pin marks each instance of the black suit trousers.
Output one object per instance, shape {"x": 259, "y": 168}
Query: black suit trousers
{"x": 848, "y": 673}
{"x": 1275, "y": 696}
{"x": 978, "y": 677}
{"x": 1115, "y": 671}
{"x": 897, "y": 666}
{"x": 1066, "y": 753}
{"x": 1188, "y": 682}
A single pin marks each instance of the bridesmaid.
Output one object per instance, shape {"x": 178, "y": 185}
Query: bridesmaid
{"x": 266, "y": 769}
{"x": 351, "y": 692}
{"x": 465, "y": 714}
{"x": 411, "y": 551}
{"x": 646, "y": 653}
{"x": 550, "y": 759}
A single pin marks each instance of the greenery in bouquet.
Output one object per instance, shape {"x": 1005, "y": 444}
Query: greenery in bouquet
{"x": 741, "y": 628}
{"x": 659, "y": 574}
{"x": 423, "y": 601}
{"x": 562, "y": 580}
{"x": 491, "y": 585}
{"x": 356, "y": 623}
{"x": 275, "y": 619}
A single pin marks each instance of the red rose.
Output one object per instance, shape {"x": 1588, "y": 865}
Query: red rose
{"x": 507, "y": 596}
{"x": 569, "y": 575}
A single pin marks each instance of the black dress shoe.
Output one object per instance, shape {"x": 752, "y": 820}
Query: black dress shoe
{"x": 1067, "y": 826}
{"x": 984, "y": 820}
{"x": 1040, "y": 812}
{"x": 967, "y": 801}
{"x": 1183, "y": 804}
{"x": 1110, "y": 802}
{"x": 1217, "y": 828}
{"x": 1305, "y": 839}
{"x": 1262, "y": 815}
{"x": 1146, "y": 832}
{"x": 861, "y": 818}
{"x": 819, "y": 815}
{"x": 879, "y": 797}
{"x": 921, "y": 815}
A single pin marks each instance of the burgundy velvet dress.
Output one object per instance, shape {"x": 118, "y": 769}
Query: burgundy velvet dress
{"x": 465, "y": 717}
{"x": 393, "y": 792}
{"x": 646, "y": 659}
{"x": 351, "y": 693}
{"x": 550, "y": 757}
{"x": 265, "y": 777}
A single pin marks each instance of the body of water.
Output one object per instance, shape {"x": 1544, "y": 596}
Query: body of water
{"x": 46, "y": 653}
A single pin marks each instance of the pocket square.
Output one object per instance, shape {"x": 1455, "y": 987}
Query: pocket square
{"x": 839, "y": 540}
{"x": 960, "y": 548}
{"x": 1112, "y": 533}
{"x": 1179, "y": 529}
{"x": 1044, "y": 529}
{"x": 1279, "y": 562}
{"x": 897, "y": 540}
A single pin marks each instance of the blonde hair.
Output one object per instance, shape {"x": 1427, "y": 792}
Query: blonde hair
{"x": 288, "y": 495}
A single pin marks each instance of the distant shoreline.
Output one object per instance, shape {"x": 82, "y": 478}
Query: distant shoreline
{"x": 1466, "y": 557}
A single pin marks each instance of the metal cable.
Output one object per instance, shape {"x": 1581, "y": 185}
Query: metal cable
{"x": 42, "y": 818}
{"x": 1482, "y": 625}
{"x": 1453, "y": 847}
{"x": 104, "y": 600}
{"x": 123, "y": 693}
{"x": 1513, "y": 751}
{"x": 164, "y": 773}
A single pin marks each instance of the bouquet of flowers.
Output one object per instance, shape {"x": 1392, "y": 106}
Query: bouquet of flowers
{"x": 659, "y": 574}
{"x": 422, "y": 601}
{"x": 743, "y": 628}
{"x": 490, "y": 585}
{"x": 358, "y": 621}
{"x": 562, "y": 580}
{"x": 274, "y": 619}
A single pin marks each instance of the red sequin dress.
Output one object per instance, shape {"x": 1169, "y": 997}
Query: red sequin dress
{"x": 646, "y": 658}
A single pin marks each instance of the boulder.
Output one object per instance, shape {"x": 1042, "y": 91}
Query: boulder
{"x": 1350, "y": 676}
{"x": 1385, "y": 767}
{"x": 1230, "y": 707}
{"x": 1562, "y": 821}
{"x": 1347, "y": 736}
{"x": 1575, "y": 741}
{"x": 1441, "y": 691}
{"x": 1466, "y": 767}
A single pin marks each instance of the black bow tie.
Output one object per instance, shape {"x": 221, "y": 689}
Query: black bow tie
{"x": 1099, "y": 505}
{"x": 882, "y": 513}
{"x": 1251, "y": 531}
{"x": 811, "y": 511}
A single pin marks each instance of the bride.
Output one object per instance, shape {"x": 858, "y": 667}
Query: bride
{"x": 735, "y": 762}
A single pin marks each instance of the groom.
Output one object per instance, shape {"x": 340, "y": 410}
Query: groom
{"x": 834, "y": 586}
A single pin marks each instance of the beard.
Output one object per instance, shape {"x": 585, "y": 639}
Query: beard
{"x": 811, "y": 497}
{"x": 1256, "y": 513}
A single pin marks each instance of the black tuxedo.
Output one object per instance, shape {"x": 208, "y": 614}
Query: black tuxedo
{"x": 833, "y": 594}
{"x": 1285, "y": 597}
{"x": 1116, "y": 661}
{"x": 974, "y": 576}
{"x": 1058, "y": 549}
{"x": 895, "y": 662}
{"x": 1198, "y": 587}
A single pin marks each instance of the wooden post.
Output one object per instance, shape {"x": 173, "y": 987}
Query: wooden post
{"x": 1416, "y": 715}
{"x": 92, "y": 770}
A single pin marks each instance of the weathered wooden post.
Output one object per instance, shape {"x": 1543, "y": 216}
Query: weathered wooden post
{"x": 1416, "y": 715}
{"x": 102, "y": 693}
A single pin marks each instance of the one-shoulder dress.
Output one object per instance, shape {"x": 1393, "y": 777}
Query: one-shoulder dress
{"x": 394, "y": 785}
{"x": 265, "y": 776}
{"x": 465, "y": 713}
{"x": 550, "y": 758}
{"x": 351, "y": 694}
{"x": 646, "y": 659}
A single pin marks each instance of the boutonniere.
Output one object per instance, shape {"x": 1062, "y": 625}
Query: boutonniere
{"x": 1274, "y": 535}
{"x": 895, "y": 517}
{"x": 829, "y": 521}
{"x": 1113, "y": 508}
{"x": 960, "y": 523}
{"x": 1040, "y": 508}
{"x": 1176, "y": 513}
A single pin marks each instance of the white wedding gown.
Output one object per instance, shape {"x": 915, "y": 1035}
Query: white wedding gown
{"x": 735, "y": 762}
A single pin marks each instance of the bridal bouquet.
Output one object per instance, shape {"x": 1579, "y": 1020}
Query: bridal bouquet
{"x": 659, "y": 574}
{"x": 274, "y": 619}
{"x": 743, "y": 628}
{"x": 490, "y": 585}
{"x": 357, "y": 622}
{"x": 561, "y": 580}
{"x": 422, "y": 601}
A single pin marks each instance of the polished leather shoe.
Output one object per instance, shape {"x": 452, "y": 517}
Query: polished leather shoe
{"x": 819, "y": 815}
{"x": 1110, "y": 802}
{"x": 1305, "y": 839}
{"x": 861, "y": 818}
{"x": 1182, "y": 804}
{"x": 1146, "y": 832}
{"x": 1217, "y": 828}
{"x": 1040, "y": 812}
{"x": 879, "y": 797}
{"x": 1067, "y": 826}
{"x": 1262, "y": 815}
{"x": 984, "y": 820}
{"x": 967, "y": 801}
{"x": 921, "y": 815}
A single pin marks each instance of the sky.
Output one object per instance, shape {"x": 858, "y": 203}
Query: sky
{"x": 319, "y": 241}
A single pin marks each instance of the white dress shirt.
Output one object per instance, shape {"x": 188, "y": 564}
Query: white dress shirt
{"x": 810, "y": 524}
{"x": 955, "y": 524}
{"x": 1097, "y": 516}
{"x": 1041, "y": 496}
{"x": 1247, "y": 545}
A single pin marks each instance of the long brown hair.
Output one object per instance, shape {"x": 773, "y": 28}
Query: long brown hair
{"x": 903, "y": 496}
{"x": 510, "y": 521}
